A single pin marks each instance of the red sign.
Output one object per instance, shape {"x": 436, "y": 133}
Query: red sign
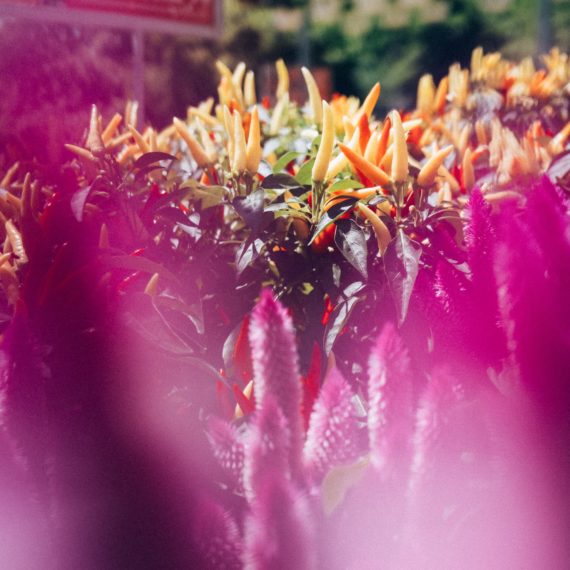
{"x": 192, "y": 17}
{"x": 201, "y": 12}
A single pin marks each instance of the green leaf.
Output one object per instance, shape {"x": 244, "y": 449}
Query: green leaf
{"x": 208, "y": 196}
{"x": 285, "y": 160}
{"x": 351, "y": 241}
{"x": 315, "y": 143}
{"x": 346, "y": 184}
{"x": 305, "y": 174}
{"x": 401, "y": 262}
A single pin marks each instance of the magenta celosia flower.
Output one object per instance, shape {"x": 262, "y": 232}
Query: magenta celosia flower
{"x": 479, "y": 237}
{"x": 267, "y": 448}
{"x": 279, "y": 532}
{"x": 335, "y": 430}
{"x": 486, "y": 338}
{"x": 532, "y": 267}
{"x": 429, "y": 423}
{"x": 228, "y": 449}
{"x": 216, "y": 537}
{"x": 389, "y": 398}
{"x": 275, "y": 366}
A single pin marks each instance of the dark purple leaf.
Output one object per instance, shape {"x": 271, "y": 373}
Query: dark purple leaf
{"x": 351, "y": 241}
{"x": 78, "y": 201}
{"x": 401, "y": 262}
{"x": 341, "y": 313}
{"x": 151, "y": 158}
{"x": 248, "y": 252}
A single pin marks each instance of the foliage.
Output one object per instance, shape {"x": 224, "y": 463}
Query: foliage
{"x": 193, "y": 288}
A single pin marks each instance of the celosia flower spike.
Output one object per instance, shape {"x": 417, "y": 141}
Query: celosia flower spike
{"x": 389, "y": 398}
{"x": 279, "y": 532}
{"x": 275, "y": 365}
{"x": 228, "y": 449}
{"x": 334, "y": 431}
{"x": 216, "y": 537}
{"x": 267, "y": 449}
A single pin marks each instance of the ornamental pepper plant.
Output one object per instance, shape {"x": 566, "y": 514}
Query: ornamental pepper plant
{"x": 340, "y": 338}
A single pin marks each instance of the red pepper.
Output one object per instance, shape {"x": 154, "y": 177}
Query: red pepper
{"x": 324, "y": 239}
{"x": 241, "y": 357}
{"x": 247, "y": 406}
{"x": 311, "y": 384}
{"x": 328, "y": 310}
{"x": 326, "y": 236}
{"x": 224, "y": 400}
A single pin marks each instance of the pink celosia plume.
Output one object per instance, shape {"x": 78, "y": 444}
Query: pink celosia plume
{"x": 279, "y": 532}
{"x": 275, "y": 366}
{"x": 228, "y": 449}
{"x": 335, "y": 429}
{"x": 389, "y": 398}
{"x": 216, "y": 536}
{"x": 267, "y": 449}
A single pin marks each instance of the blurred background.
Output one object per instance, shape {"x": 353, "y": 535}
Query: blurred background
{"x": 51, "y": 73}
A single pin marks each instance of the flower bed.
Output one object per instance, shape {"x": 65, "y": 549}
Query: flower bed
{"x": 340, "y": 340}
